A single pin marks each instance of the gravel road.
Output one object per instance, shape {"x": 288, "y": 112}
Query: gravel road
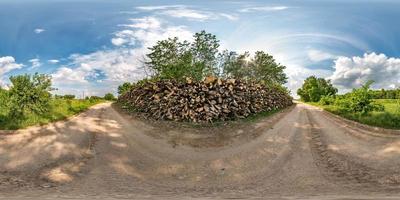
{"x": 300, "y": 153}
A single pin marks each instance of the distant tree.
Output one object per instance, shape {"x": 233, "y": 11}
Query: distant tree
{"x": 29, "y": 94}
{"x": 314, "y": 88}
{"x": 125, "y": 87}
{"x": 69, "y": 96}
{"x": 109, "y": 97}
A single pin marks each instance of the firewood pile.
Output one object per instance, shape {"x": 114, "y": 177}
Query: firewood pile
{"x": 210, "y": 100}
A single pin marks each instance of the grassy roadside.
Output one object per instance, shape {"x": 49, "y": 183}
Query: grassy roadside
{"x": 390, "y": 118}
{"x": 60, "y": 109}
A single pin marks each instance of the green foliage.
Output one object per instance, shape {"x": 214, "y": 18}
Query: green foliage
{"x": 385, "y": 94}
{"x": 58, "y": 109}
{"x": 314, "y": 89}
{"x": 68, "y": 96}
{"x": 109, "y": 97}
{"x": 125, "y": 87}
{"x": 327, "y": 100}
{"x": 389, "y": 118}
{"x": 172, "y": 59}
{"x": 29, "y": 94}
{"x": 360, "y": 100}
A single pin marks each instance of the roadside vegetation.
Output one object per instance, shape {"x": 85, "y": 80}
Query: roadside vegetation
{"x": 373, "y": 107}
{"x": 194, "y": 81}
{"x": 28, "y": 102}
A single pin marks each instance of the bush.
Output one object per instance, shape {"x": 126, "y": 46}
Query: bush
{"x": 29, "y": 94}
{"x": 327, "y": 100}
{"x": 360, "y": 100}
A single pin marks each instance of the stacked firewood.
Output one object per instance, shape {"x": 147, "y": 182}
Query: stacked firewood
{"x": 210, "y": 100}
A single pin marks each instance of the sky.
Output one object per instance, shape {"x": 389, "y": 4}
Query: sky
{"x": 91, "y": 46}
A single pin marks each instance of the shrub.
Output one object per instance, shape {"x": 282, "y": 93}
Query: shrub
{"x": 29, "y": 94}
{"x": 327, "y": 100}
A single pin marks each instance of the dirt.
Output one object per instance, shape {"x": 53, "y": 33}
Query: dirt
{"x": 299, "y": 153}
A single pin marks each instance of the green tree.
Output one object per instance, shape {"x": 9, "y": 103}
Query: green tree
{"x": 69, "y": 96}
{"x": 314, "y": 88}
{"x": 204, "y": 50}
{"x": 109, "y": 97}
{"x": 265, "y": 69}
{"x": 172, "y": 59}
{"x": 125, "y": 87}
{"x": 29, "y": 94}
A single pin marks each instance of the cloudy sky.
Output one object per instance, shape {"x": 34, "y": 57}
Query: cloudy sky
{"x": 92, "y": 46}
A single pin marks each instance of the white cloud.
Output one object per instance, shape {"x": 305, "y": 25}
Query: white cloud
{"x": 188, "y": 14}
{"x": 35, "y": 63}
{"x": 352, "y": 72}
{"x": 153, "y": 8}
{"x": 263, "y": 8}
{"x": 53, "y": 61}
{"x": 181, "y": 11}
{"x": 317, "y": 56}
{"x": 125, "y": 63}
{"x": 39, "y": 30}
{"x": 118, "y": 41}
{"x": 7, "y": 64}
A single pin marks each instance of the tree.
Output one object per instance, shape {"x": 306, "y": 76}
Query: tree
{"x": 109, "y": 97}
{"x": 204, "y": 50}
{"x": 314, "y": 88}
{"x": 265, "y": 69}
{"x": 69, "y": 96}
{"x": 172, "y": 59}
{"x": 29, "y": 94}
{"x": 125, "y": 87}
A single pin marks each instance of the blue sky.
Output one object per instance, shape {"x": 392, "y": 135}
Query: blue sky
{"x": 92, "y": 46}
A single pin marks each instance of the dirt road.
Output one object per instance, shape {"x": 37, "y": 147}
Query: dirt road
{"x": 302, "y": 152}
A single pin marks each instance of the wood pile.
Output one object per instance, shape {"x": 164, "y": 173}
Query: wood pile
{"x": 210, "y": 100}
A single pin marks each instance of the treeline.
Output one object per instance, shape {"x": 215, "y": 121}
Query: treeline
{"x": 385, "y": 94}
{"x": 172, "y": 59}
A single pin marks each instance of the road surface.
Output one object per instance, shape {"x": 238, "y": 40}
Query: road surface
{"x": 302, "y": 152}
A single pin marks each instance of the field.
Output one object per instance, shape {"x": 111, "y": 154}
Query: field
{"x": 60, "y": 109}
{"x": 390, "y": 118}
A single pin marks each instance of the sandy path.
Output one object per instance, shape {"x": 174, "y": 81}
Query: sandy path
{"x": 307, "y": 153}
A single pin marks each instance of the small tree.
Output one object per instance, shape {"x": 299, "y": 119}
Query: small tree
{"x": 360, "y": 100}
{"x": 314, "y": 88}
{"x": 125, "y": 87}
{"x": 109, "y": 97}
{"x": 30, "y": 94}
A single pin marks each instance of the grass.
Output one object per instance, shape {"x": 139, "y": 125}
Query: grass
{"x": 59, "y": 109}
{"x": 390, "y": 118}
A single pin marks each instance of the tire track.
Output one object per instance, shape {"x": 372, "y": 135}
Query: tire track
{"x": 341, "y": 169}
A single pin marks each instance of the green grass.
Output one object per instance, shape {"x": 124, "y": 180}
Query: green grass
{"x": 59, "y": 109}
{"x": 390, "y": 118}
